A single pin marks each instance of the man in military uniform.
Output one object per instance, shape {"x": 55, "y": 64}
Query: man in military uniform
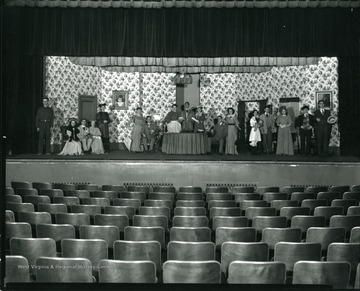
{"x": 44, "y": 123}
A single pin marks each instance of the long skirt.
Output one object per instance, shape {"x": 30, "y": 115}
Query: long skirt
{"x": 136, "y": 138}
{"x": 285, "y": 144}
{"x": 230, "y": 140}
{"x": 71, "y": 148}
{"x": 97, "y": 146}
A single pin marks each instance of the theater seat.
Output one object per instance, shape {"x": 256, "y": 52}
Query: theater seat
{"x": 229, "y": 221}
{"x": 190, "y": 203}
{"x": 52, "y": 193}
{"x": 190, "y": 221}
{"x": 272, "y": 236}
{"x": 135, "y": 203}
{"x": 352, "y": 195}
{"x": 329, "y": 196}
{"x": 88, "y": 187}
{"x": 78, "y": 193}
{"x": 139, "y": 233}
{"x": 159, "y": 203}
{"x": 161, "y": 211}
{"x": 346, "y": 221}
{"x": 190, "y": 211}
{"x": 9, "y": 216}
{"x": 119, "y": 220}
{"x": 221, "y": 203}
{"x": 189, "y": 196}
{"x": 357, "y": 279}
{"x": 239, "y": 197}
{"x": 234, "y": 234}
{"x": 313, "y": 203}
{"x": 340, "y": 189}
{"x": 225, "y": 211}
{"x": 191, "y": 251}
{"x": 325, "y": 236}
{"x": 13, "y": 198}
{"x": 57, "y": 232}
{"x": 108, "y": 233}
{"x": 190, "y": 189}
{"x": 152, "y": 221}
{"x": 242, "y": 189}
{"x": 344, "y": 203}
{"x": 111, "y": 195}
{"x": 264, "y": 189}
{"x": 193, "y": 272}
{"x": 17, "y": 229}
{"x": 217, "y": 196}
{"x": 20, "y": 184}
{"x": 349, "y": 252}
{"x": 190, "y": 234}
{"x": 16, "y": 269}
{"x": 216, "y": 189}
{"x": 129, "y": 211}
{"x": 41, "y": 185}
{"x": 138, "y": 188}
{"x": 355, "y": 235}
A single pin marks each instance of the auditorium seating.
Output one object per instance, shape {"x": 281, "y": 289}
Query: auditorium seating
{"x": 17, "y": 269}
{"x": 167, "y": 230}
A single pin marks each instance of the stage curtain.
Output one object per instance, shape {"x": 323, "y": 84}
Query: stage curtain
{"x": 31, "y": 33}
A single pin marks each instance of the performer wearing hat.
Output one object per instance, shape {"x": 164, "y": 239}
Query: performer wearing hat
{"x": 72, "y": 145}
{"x": 322, "y": 129}
{"x": 199, "y": 120}
{"x": 44, "y": 122}
{"x": 103, "y": 120}
{"x": 305, "y": 123}
{"x": 172, "y": 120}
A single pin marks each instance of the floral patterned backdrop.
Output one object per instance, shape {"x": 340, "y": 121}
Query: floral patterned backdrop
{"x": 155, "y": 92}
{"x": 222, "y": 90}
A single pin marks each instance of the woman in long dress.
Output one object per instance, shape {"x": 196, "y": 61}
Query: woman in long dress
{"x": 255, "y": 135}
{"x": 285, "y": 144}
{"x": 232, "y": 132}
{"x": 138, "y": 121}
{"x": 96, "y": 146}
{"x": 199, "y": 120}
{"x": 73, "y": 145}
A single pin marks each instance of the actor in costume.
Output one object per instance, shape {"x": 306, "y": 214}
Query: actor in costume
{"x": 305, "y": 124}
{"x": 220, "y": 133}
{"x": 84, "y": 135}
{"x": 72, "y": 145}
{"x": 44, "y": 123}
{"x": 267, "y": 128}
{"x": 186, "y": 116}
{"x": 232, "y": 132}
{"x": 148, "y": 134}
{"x": 103, "y": 120}
{"x": 285, "y": 145}
{"x": 322, "y": 129}
{"x": 172, "y": 120}
{"x": 97, "y": 146}
{"x": 255, "y": 134}
{"x": 199, "y": 120}
{"x": 138, "y": 121}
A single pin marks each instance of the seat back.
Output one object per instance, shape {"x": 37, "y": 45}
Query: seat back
{"x": 234, "y": 234}
{"x": 140, "y": 233}
{"x": 17, "y": 229}
{"x": 316, "y": 189}
{"x": 52, "y": 208}
{"x": 133, "y": 195}
{"x": 64, "y": 186}
{"x": 346, "y": 221}
{"x": 189, "y": 196}
{"x": 16, "y": 269}
{"x": 152, "y": 220}
{"x": 289, "y": 190}
{"x": 57, "y": 232}
{"x": 190, "y": 211}
{"x": 9, "y": 191}
{"x": 239, "y": 197}
{"x": 205, "y": 272}
{"x": 108, "y": 233}
{"x": 229, "y": 221}
{"x": 357, "y": 278}
{"x": 102, "y": 202}
{"x": 278, "y": 204}
{"x": 20, "y": 184}
{"x": 344, "y": 203}
{"x": 190, "y": 189}
{"x": 224, "y": 211}
{"x": 117, "y": 188}
{"x": 129, "y": 211}
{"x": 162, "y": 196}
{"x": 353, "y": 210}
{"x": 304, "y": 222}
{"x": 355, "y": 235}
{"x": 289, "y": 212}
{"x": 218, "y": 196}
{"x": 14, "y": 198}
{"x": 78, "y": 193}
{"x": 216, "y": 189}
{"x": 9, "y": 216}
{"x": 68, "y": 201}
{"x": 88, "y": 187}
{"x": 242, "y": 272}
{"x": 23, "y": 192}
{"x": 111, "y": 195}
{"x": 313, "y": 203}
{"x": 272, "y": 236}
{"x": 252, "y": 212}
{"x": 138, "y": 188}
{"x": 191, "y": 251}
{"x": 41, "y": 185}
{"x": 335, "y": 274}
{"x": 190, "y": 203}
{"x": 264, "y": 189}
{"x": 329, "y": 196}
{"x": 328, "y": 212}
{"x": 160, "y": 211}
{"x": 134, "y": 203}
{"x": 75, "y": 219}
{"x": 221, "y": 203}
{"x": 20, "y": 207}
{"x": 52, "y": 193}
{"x": 190, "y": 234}
{"x": 164, "y": 189}
{"x": 118, "y": 220}
{"x": 159, "y": 203}
{"x": 252, "y": 203}
{"x": 301, "y": 196}
{"x": 242, "y": 189}
{"x": 340, "y": 189}
{"x": 190, "y": 221}
{"x": 74, "y": 270}
{"x": 262, "y": 222}
{"x": 325, "y": 235}
{"x": 112, "y": 271}
{"x": 271, "y": 196}
{"x": 352, "y": 195}
{"x": 91, "y": 210}
{"x": 35, "y": 218}
{"x": 348, "y": 252}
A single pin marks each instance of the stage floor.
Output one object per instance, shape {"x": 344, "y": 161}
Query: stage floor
{"x": 159, "y": 156}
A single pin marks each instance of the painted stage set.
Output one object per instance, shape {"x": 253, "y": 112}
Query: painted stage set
{"x": 122, "y": 167}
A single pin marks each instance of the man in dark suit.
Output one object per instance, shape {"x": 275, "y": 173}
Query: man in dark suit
{"x": 44, "y": 123}
{"x": 148, "y": 134}
{"x": 322, "y": 128}
{"x": 305, "y": 123}
{"x": 220, "y": 133}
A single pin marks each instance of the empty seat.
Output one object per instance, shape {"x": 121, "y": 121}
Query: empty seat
{"x": 190, "y": 221}
{"x": 9, "y": 191}
{"x": 340, "y": 189}
{"x": 335, "y": 274}
{"x": 88, "y": 187}
{"x": 346, "y": 221}
{"x": 68, "y": 201}
{"x": 329, "y": 196}
{"x": 242, "y": 189}
{"x": 352, "y": 195}
{"x": 57, "y": 232}
{"x": 291, "y": 189}
{"x": 135, "y": 203}
{"x": 216, "y": 189}
{"x": 52, "y": 209}
{"x": 224, "y": 211}
{"x": 316, "y": 189}
{"x": 262, "y": 190}
{"x": 111, "y": 195}
{"x": 162, "y": 196}
{"x": 75, "y": 219}
{"x": 239, "y": 197}
{"x": 164, "y": 188}
{"x": 19, "y": 207}
{"x": 16, "y": 269}
{"x": 313, "y": 203}
{"x": 152, "y": 221}
{"x": 262, "y": 222}
{"x": 190, "y": 189}
{"x": 278, "y": 204}
{"x": 190, "y": 211}
{"x": 64, "y": 186}
{"x": 292, "y": 252}
{"x": 242, "y": 251}
{"x": 344, "y": 203}
{"x": 36, "y": 199}
{"x": 14, "y": 198}
{"x": 252, "y": 203}
{"x": 41, "y": 185}
{"x": 221, "y": 203}
{"x": 189, "y": 196}
{"x": 325, "y": 236}
{"x": 229, "y": 221}
{"x": 191, "y": 251}
{"x": 140, "y": 233}
{"x": 348, "y": 252}
{"x": 23, "y": 192}
{"x": 91, "y": 210}
{"x": 354, "y": 188}
{"x": 159, "y": 203}
{"x": 17, "y": 229}
{"x": 117, "y": 188}
{"x": 138, "y": 188}
{"x": 300, "y": 196}
{"x": 289, "y": 212}
{"x": 52, "y": 193}
{"x": 129, "y": 211}
{"x": 204, "y": 272}
{"x": 328, "y": 212}
{"x": 272, "y": 236}
{"x": 78, "y": 193}
{"x": 137, "y": 251}
{"x": 242, "y": 272}
{"x": 32, "y": 248}
{"x": 102, "y": 202}
{"x": 20, "y": 184}
{"x": 190, "y": 234}
{"x": 218, "y": 196}
{"x": 304, "y": 222}
{"x": 190, "y": 203}
{"x": 111, "y": 271}
{"x": 252, "y": 212}
{"x": 74, "y": 270}
{"x": 9, "y": 216}
{"x": 94, "y": 250}
{"x": 160, "y": 211}
{"x": 355, "y": 235}
{"x": 234, "y": 234}
{"x": 271, "y": 196}
{"x": 108, "y": 233}
{"x": 119, "y": 220}
{"x": 34, "y": 218}
{"x": 357, "y": 279}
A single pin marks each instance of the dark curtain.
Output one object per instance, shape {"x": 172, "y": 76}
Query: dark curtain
{"x": 31, "y": 33}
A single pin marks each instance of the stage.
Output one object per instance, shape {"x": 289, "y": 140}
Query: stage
{"x": 119, "y": 167}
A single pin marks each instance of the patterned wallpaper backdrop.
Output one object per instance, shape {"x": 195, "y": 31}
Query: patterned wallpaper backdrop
{"x": 64, "y": 81}
{"x": 222, "y": 90}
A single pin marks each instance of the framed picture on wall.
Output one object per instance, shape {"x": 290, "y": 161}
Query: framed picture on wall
{"x": 326, "y": 96}
{"x": 120, "y": 99}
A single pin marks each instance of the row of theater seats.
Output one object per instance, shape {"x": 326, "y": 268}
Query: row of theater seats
{"x": 208, "y": 209}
